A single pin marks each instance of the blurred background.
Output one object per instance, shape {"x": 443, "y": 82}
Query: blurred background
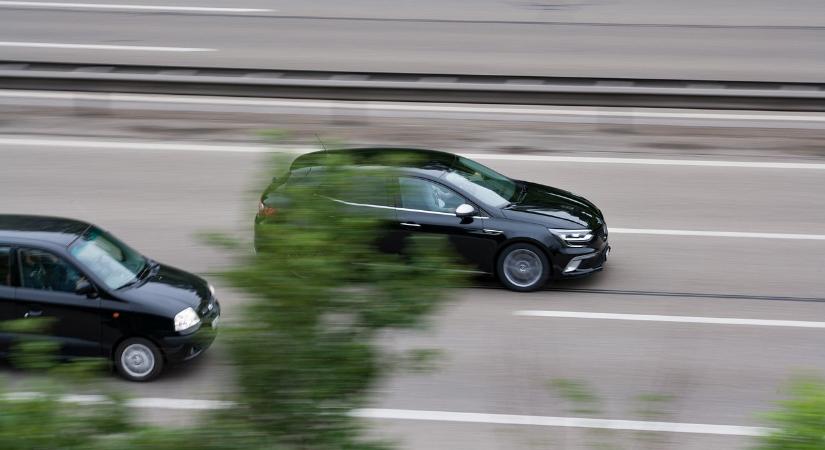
{"x": 697, "y": 127}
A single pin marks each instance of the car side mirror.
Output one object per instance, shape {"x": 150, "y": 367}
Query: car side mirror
{"x": 464, "y": 210}
{"x": 84, "y": 287}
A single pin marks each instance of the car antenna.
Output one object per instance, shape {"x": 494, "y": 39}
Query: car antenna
{"x": 321, "y": 142}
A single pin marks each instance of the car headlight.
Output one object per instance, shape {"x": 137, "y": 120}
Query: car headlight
{"x": 186, "y": 319}
{"x": 573, "y": 238}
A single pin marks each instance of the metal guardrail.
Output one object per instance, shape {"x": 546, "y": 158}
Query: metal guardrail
{"x": 413, "y": 87}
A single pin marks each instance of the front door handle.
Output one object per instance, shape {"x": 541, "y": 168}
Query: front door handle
{"x": 33, "y": 313}
{"x": 410, "y": 224}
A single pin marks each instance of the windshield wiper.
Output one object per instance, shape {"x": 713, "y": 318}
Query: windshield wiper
{"x": 147, "y": 266}
{"x": 134, "y": 281}
{"x": 142, "y": 274}
{"x": 522, "y": 193}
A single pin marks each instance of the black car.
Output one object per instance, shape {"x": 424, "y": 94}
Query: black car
{"x": 103, "y": 299}
{"x": 524, "y": 233}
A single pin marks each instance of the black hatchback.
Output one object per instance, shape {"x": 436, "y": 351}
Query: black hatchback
{"x": 102, "y": 298}
{"x": 524, "y": 233}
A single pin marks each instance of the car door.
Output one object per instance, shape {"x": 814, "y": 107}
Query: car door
{"x": 426, "y": 206}
{"x": 371, "y": 196}
{"x": 7, "y": 290}
{"x": 47, "y": 289}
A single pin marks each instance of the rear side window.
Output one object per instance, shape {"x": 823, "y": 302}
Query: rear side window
{"x": 5, "y": 266}
{"x": 368, "y": 189}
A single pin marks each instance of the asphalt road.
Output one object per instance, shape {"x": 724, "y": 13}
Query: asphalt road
{"x": 755, "y": 40}
{"x": 494, "y": 361}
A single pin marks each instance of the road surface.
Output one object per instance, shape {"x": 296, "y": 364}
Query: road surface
{"x": 706, "y": 40}
{"x": 504, "y": 354}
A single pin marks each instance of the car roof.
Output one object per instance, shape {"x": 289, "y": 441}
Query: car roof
{"x": 55, "y": 230}
{"x": 415, "y": 159}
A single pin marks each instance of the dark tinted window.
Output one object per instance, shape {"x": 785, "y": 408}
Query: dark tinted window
{"x": 305, "y": 178}
{"x": 425, "y": 195}
{"x": 368, "y": 189}
{"x": 45, "y": 271}
{"x": 5, "y": 266}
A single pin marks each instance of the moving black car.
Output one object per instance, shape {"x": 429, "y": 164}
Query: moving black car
{"x": 524, "y": 233}
{"x": 103, "y": 299}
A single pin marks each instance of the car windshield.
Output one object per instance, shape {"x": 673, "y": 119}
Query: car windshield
{"x": 484, "y": 183}
{"x": 108, "y": 258}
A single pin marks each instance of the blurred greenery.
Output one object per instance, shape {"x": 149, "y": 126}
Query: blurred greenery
{"x": 307, "y": 345}
{"x": 309, "y": 350}
{"x": 32, "y": 352}
{"x": 800, "y": 422}
{"x": 577, "y": 393}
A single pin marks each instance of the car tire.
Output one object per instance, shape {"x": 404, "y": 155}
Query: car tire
{"x": 138, "y": 359}
{"x": 523, "y": 268}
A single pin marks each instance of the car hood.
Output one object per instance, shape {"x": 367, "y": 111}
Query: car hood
{"x": 169, "y": 290}
{"x": 555, "y": 208}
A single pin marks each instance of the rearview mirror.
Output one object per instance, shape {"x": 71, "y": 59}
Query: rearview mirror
{"x": 465, "y": 210}
{"x": 84, "y": 287}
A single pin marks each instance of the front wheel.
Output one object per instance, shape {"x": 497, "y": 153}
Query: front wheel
{"x": 523, "y": 268}
{"x": 138, "y": 359}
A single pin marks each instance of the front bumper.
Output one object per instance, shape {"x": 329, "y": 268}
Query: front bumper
{"x": 581, "y": 261}
{"x": 586, "y": 264}
{"x": 181, "y": 348}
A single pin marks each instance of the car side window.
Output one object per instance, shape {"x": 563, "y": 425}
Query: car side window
{"x": 44, "y": 271}
{"x": 5, "y": 266}
{"x": 370, "y": 189}
{"x": 425, "y": 195}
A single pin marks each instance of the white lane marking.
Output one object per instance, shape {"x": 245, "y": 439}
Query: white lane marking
{"x": 132, "y": 7}
{"x": 570, "y": 422}
{"x": 145, "y": 402}
{"x": 676, "y": 319}
{"x": 137, "y": 48}
{"x": 649, "y": 161}
{"x": 422, "y": 107}
{"x": 437, "y": 416}
{"x": 178, "y": 403}
{"x": 126, "y": 145}
{"x": 733, "y": 234}
{"x": 248, "y": 148}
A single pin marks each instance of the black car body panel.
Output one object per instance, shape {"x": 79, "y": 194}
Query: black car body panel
{"x": 563, "y": 209}
{"x": 93, "y": 325}
{"x": 527, "y": 217}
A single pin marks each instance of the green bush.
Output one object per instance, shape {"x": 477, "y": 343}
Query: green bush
{"x": 800, "y": 423}
{"x": 308, "y": 349}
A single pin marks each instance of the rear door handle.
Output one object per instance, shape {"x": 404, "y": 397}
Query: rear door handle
{"x": 33, "y": 314}
{"x": 410, "y": 224}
